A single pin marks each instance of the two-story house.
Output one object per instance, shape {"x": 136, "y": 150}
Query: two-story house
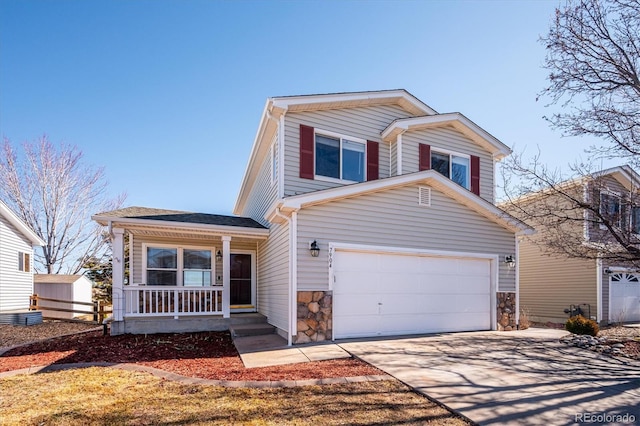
{"x": 360, "y": 214}
{"x": 573, "y": 258}
{"x": 17, "y": 242}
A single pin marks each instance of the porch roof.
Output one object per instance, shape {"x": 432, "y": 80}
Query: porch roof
{"x": 160, "y": 221}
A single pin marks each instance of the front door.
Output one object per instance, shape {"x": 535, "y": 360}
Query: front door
{"x": 241, "y": 280}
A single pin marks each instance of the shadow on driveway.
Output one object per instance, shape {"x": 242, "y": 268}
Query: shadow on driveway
{"x": 525, "y": 377}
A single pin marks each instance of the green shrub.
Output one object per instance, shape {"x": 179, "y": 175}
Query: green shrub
{"x": 580, "y": 325}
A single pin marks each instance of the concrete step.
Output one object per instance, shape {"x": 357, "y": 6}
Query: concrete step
{"x": 256, "y": 329}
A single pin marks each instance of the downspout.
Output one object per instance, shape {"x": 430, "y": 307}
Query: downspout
{"x": 399, "y": 154}
{"x": 292, "y": 302}
{"x": 599, "y": 289}
{"x": 280, "y": 157}
{"x": 517, "y": 237}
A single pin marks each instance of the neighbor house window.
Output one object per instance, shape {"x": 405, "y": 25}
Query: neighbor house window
{"x": 179, "y": 266}
{"x": 610, "y": 208}
{"x": 455, "y": 167}
{"x": 635, "y": 220}
{"x": 340, "y": 158}
{"x": 24, "y": 262}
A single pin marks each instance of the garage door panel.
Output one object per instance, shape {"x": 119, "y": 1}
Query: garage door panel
{"x": 625, "y": 297}
{"x": 409, "y": 294}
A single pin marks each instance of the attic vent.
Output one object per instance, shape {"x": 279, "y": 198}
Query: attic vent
{"x": 424, "y": 196}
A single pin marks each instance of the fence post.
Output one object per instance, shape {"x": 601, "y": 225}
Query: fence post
{"x": 33, "y": 302}
{"x": 95, "y": 310}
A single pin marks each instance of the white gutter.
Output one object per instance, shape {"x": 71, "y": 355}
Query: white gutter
{"x": 292, "y": 302}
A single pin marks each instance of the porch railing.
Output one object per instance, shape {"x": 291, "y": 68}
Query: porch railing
{"x": 143, "y": 300}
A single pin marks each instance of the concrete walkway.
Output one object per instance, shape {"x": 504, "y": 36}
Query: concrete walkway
{"x": 271, "y": 349}
{"x": 524, "y": 377}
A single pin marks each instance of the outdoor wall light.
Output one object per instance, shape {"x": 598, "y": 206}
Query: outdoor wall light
{"x": 314, "y": 249}
{"x": 510, "y": 260}
{"x": 218, "y": 255}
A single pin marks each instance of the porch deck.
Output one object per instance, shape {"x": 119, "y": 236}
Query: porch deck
{"x": 185, "y": 324}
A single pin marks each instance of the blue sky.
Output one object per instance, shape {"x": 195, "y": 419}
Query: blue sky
{"x": 167, "y": 95}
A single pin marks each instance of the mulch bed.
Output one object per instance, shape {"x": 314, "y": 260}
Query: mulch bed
{"x": 207, "y": 355}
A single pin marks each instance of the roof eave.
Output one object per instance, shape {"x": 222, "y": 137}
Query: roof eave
{"x": 184, "y": 226}
{"x": 19, "y": 224}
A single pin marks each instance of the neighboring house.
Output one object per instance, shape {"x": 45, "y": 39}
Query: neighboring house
{"x": 606, "y": 290}
{"x": 69, "y": 288}
{"x": 360, "y": 214}
{"x": 17, "y": 241}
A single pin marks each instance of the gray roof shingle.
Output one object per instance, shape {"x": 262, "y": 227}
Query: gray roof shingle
{"x": 181, "y": 216}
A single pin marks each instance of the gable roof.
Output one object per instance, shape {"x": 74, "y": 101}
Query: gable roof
{"x": 277, "y": 106}
{"x": 455, "y": 120}
{"x": 427, "y": 177}
{"x": 624, "y": 174}
{"x": 57, "y": 278}
{"x": 22, "y": 227}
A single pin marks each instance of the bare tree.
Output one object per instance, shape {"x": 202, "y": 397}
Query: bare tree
{"x": 50, "y": 188}
{"x": 584, "y": 214}
{"x": 593, "y": 58}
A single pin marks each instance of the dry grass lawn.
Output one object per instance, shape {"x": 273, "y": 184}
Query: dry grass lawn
{"x": 97, "y": 395}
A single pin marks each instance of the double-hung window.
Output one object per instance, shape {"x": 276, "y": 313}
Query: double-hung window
{"x": 611, "y": 208}
{"x": 635, "y": 220}
{"x": 178, "y": 266}
{"x": 341, "y": 158}
{"x": 455, "y": 167}
{"x": 24, "y": 262}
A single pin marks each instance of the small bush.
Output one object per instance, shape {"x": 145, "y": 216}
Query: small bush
{"x": 580, "y": 325}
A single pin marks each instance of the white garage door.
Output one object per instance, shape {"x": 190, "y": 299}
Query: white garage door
{"x": 380, "y": 294}
{"x": 624, "y": 291}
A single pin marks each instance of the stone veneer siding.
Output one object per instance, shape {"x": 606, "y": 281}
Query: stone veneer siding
{"x": 315, "y": 310}
{"x": 507, "y": 312}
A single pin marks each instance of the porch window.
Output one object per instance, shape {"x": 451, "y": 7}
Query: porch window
{"x": 197, "y": 268}
{"x": 189, "y": 267}
{"x": 162, "y": 266}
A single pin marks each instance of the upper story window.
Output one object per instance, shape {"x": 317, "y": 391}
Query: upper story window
{"x": 24, "y": 262}
{"x": 178, "y": 266}
{"x": 635, "y": 220}
{"x": 611, "y": 208}
{"x": 455, "y": 167}
{"x": 340, "y": 158}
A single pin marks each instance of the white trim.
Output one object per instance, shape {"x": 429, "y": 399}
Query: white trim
{"x": 399, "y": 155}
{"x": 179, "y": 259}
{"x": 20, "y": 225}
{"x": 363, "y": 248}
{"x": 517, "y": 277}
{"x": 226, "y": 276}
{"x": 281, "y": 133}
{"x": 341, "y": 138}
{"x": 324, "y": 101}
{"x": 218, "y": 230}
{"x": 455, "y": 119}
{"x": 130, "y": 258}
{"x": 427, "y": 177}
{"x": 293, "y": 297}
{"x": 599, "y": 290}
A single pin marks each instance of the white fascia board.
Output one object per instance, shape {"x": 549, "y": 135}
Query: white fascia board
{"x": 22, "y": 227}
{"x": 182, "y": 226}
{"x": 324, "y": 100}
{"x": 251, "y": 171}
{"x": 428, "y": 177}
{"x": 455, "y": 119}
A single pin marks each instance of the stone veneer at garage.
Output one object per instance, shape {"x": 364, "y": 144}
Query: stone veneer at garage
{"x": 315, "y": 315}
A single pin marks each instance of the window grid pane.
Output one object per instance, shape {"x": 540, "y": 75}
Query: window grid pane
{"x": 460, "y": 171}
{"x": 440, "y": 163}
{"x": 353, "y": 161}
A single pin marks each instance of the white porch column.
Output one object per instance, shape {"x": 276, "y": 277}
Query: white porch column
{"x": 118, "y": 273}
{"x": 226, "y": 276}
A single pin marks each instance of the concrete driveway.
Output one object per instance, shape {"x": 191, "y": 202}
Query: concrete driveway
{"x": 523, "y": 377}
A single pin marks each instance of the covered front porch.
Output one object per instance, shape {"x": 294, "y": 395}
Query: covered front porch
{"x": 180, "y": 272}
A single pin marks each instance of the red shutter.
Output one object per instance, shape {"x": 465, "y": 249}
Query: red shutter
{"x": 475, "y": 175}
{"x": 373, "y": 160}
{"x": 424, "y": 154}
{"x": 306, "y": 152}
